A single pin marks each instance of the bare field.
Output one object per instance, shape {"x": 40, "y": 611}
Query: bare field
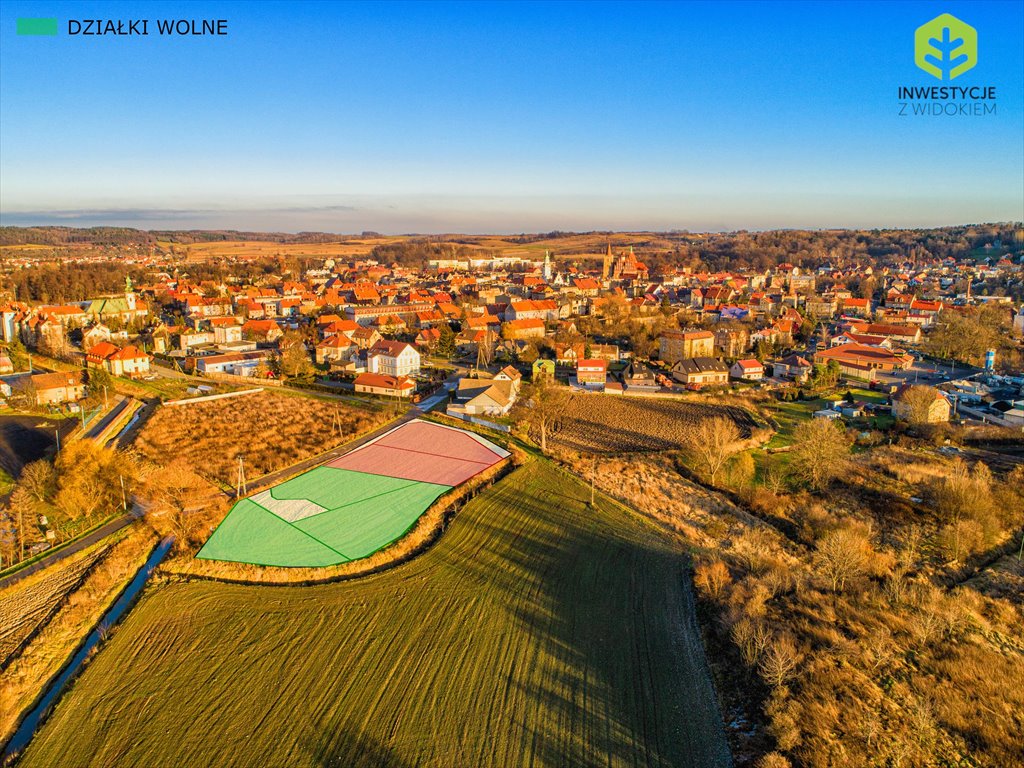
{"x": 618, "y": 424}
{"x": 29, "y": 604}
{"x": 590, "y": 246}
{"x": 532, "y": 634}
{"x": 269, "y": 430}
{"x": 257, "y": 248}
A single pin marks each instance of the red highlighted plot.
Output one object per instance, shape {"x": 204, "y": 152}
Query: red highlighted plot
{"x": 425, "y": 452}
{"x": 437, "y": 440}
{"x": 379, "y": 459}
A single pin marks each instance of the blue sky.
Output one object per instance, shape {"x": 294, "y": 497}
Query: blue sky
{"x": 490, "y": 117}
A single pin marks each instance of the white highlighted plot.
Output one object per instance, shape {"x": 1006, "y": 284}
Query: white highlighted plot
{"x": 287, "y": 509}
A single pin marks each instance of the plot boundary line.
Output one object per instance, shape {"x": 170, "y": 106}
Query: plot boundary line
{"x": 304, "y": 533}
{"x": 360, "y": 501}
{"x": 423, "y": 453}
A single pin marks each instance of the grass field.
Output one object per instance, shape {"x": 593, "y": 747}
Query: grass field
{"x": 537, "y": 631}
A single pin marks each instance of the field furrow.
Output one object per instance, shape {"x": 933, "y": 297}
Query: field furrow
{"x": 538, "y": 631}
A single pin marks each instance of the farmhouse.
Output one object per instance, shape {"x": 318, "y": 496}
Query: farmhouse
{"x": 129, "y": 361}
{"x": 393, "y": 358}
{"x": 383, "y": 384}
{"x": 747, "y": 370}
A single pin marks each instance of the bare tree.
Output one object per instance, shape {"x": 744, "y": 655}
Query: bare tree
{"x": 842, "y": 555}
{"x": 752, "y": 637}
{"x": 916, "y": 404}
{"x": 710, "y": 443}
{"x": 39, "y": 479}
{"x": 21, "y": 509}
{"x": 543, "y": 404}
{"x": 176, "y": 497}
{"x": 712, "y": 578}
{"x": 821, "y": 452}
{"x": 780, "y": 660}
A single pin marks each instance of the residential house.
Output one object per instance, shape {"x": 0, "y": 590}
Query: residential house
{"x": 542, "y": 367}
{"x": 640, "y": 377}
{"x": 483, "y": 397}
{"x": 232, "y": 363}
{"x": 94, "y": 335}
{"x": 58, "y": 387}
{"x": 267, "y": 331}
{"x": 129, "y": 361}
{"x": 747, "y": 370}
{"x": 700, "y": 372}
{"x": 384, "y": 384}
{"x": 592, "y": 374}
{"x": 937, "y": 411}
{"x": 336, "y": 348}
{"x": 508, "y": 373}
{"x": 793, "y": 367}
{"x": 428, "y": 338}
{"x": 524, "y": 329}
{"x": 732, "y": 342}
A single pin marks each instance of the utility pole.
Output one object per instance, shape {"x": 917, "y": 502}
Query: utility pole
{"x": 57, "y": 433}
{"x": 105, "y": 404}
{"x": 124, "y": 499}
{"x": 240, "y": 486}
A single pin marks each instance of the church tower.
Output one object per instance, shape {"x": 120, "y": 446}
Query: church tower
{"x": 608, "y": 258}
{"x": 547, "y": 266}
{"x": 129, "y": 293}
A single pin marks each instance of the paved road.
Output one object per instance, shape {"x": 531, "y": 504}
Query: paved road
{"x": 86, "y": 541}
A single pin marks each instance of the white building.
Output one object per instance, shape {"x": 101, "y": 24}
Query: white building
{"x": 393, "y": 358}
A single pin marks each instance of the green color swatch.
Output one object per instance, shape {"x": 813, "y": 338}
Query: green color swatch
{"x": 38, "y": 27}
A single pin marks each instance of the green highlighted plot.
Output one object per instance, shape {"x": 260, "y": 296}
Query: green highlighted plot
{"x": 347, "y": 515}
{"x": 251, "y": 534}
{"x": 332, "y": 488}
{"x": 363, "y": 527}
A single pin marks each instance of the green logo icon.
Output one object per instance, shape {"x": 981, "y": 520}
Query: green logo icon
{"x": 946, "y": 47}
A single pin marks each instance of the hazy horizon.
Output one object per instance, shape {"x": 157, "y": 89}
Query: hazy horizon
{"x": 495, "y": 117}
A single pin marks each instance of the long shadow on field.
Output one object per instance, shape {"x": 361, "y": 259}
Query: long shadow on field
{"x": 618, "y": 674}
{"x": 351, "y": 750}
